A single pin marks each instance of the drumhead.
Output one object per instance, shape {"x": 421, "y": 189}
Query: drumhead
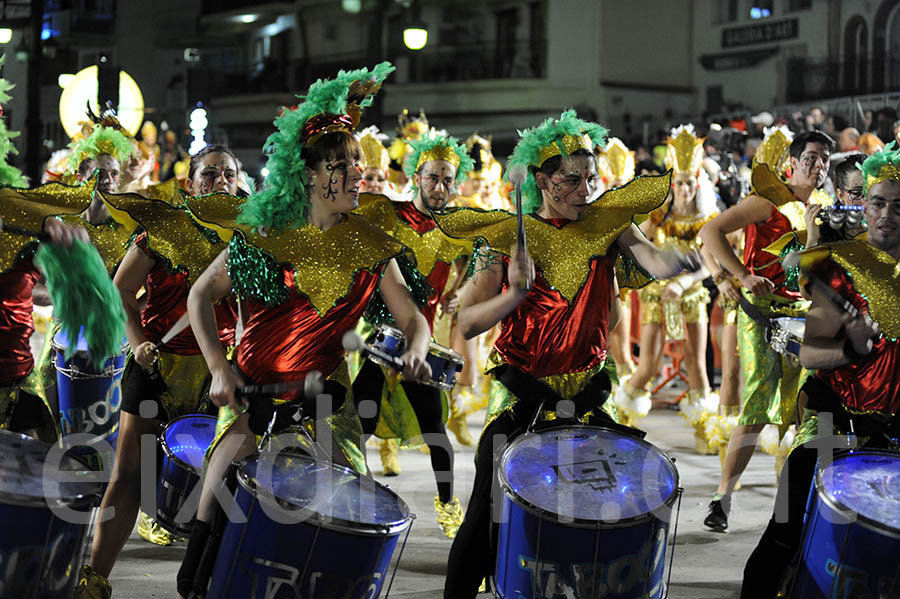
{"x": 24, "y": 479}
{"x": 186, "y": 439}
{"x": 61, "y": 343}
{"x": 336, "y": 497}
{"x": 867, "y": 483}
{"x": 794, "y": 326}
{"x": 588, "y": 475}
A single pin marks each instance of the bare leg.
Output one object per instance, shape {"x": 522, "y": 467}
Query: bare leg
{"x": 740, "y": 450}
{"x": 123, "y": 494}
{"x": 651, "y": 348}
{"x": 237, "y": 442}
{"x": 729, "y": 392}
{"x": 620, "y": 341}
{"x": 695, "y": 356}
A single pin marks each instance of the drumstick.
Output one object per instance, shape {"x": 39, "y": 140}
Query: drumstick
{"x": 312, "y": 386}
{"x": 517, "y": 174}
{"x": 353, "y": 342}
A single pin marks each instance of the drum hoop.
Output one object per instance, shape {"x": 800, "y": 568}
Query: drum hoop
{"x": 76, "y": 374}
{"x": 335, "y": 524}
{"x": 444, "y": 352}
{"x": 581, "y": 522}
{"x": 78, "y": 501}
{"x": 864, "y": 521}
{"x": 168, "y": 451}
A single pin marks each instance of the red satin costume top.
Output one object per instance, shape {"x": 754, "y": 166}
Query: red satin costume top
{"x": 873, "y": 382}
{"x": 421, "y": 224}
{"x": 759, "y": 236}
{"x": 16, "y": 322}
{"x": 167, "y": 295}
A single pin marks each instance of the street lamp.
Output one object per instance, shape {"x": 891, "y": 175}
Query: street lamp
{"x": 415, "y": 35}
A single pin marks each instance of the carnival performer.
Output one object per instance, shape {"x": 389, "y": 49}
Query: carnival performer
{"x": 481, "y": 188}
{"x": 554, "y": 312}
{"x": 770, "y": 380}
{"x": 165, "y": 375}
{"x": 437, "y": 164}
{"x": 375, "y": 161}
{"x": 305, "y": 270}
{"x": 857, "y": 383}
{"x": 618, "y": 169}
{"x": 409, "y": 127}
{"x": 676, "y": 308}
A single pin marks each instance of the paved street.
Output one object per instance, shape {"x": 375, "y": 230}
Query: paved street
{"x": 707, "y": 565}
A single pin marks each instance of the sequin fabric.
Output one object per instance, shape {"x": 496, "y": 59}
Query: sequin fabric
{"x": 563, "y": 254}
{"x": 110, "y": 237}
{"x": 324, "y": 262}
{"x": 771, "y": 380}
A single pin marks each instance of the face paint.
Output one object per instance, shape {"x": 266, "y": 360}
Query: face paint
{"x": 813, "y": 164}
{"x": 108, "y": 174}
{"x": 571, "y": 187}
{"x": 437, "y": 183}
{"x": 217, "y": 173}
{"x": 374, "y": 180}
{"x": 338, "y": 182}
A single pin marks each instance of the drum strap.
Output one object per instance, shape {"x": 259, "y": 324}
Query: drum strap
{"x": 534, "y": 393}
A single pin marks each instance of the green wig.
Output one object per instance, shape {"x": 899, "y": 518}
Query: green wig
{"x": 438, "y": 146}
{"x": 283, "y": 201}
{"x": 84, "y": 298}
{"x": 102, "y": 140}
{"x": 883, "y": 165}
{"x": 535, "y": 141}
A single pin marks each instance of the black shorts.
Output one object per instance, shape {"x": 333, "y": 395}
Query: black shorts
{"x": 139, "y": 386}
{"x": 28, "y": 412}
{"x": 261, "y": 410}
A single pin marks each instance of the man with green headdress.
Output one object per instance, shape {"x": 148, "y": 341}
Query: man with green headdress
{"x": 437, "y": 164}
{"x": 852, "y": 338}
{"x": 554, "y": 311}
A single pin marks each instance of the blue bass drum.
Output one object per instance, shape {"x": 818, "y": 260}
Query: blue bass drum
{"x": 184, "y": 442}
{"x": 312, "y": 530}
{"x": 89, "y": 397}
{"x": 586, "y": 513}
{"x": 851, "y": 543}
{"x": 43, "y": 518}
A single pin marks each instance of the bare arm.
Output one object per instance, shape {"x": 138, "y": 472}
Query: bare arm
{"x": 213, "y": 284}
{"x": 827, "y": 331}
{"x": 660, "y": 264}
{"x": 752, "y": 209}
{"x": 409, "y": 319}
{"x": 450, "y": 299}
{"x": 482, "y": 305}
{"x": 130, "y": 277}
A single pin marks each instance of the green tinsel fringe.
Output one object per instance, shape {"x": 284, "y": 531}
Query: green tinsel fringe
{"x": 255, "y": 273}
{"x": 102, "y": 140}
{"x": 421, "y": 290}
{"x": 84, "y": 297}
{"x": 791, "y": 274}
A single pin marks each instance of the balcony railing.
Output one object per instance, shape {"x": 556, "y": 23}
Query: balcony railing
{"x": 815, "y": 79}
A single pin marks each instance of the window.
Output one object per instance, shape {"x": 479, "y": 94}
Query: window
{"x": 726, "y": 11}
{"x": 760, "y": 9}
{"x": 799, "y": 4}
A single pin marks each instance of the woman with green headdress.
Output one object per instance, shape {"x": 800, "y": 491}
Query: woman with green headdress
{"x": 305, "y": 270}
{"x": 554, "y": 310}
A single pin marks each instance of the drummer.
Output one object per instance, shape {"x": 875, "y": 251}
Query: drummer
{"x": 857, "y": 356}
{"x": 554, "y": 312}
{"x": 305, "y": 274}
{"x": 436, "y": 165}
{"x": 161, "y": 381}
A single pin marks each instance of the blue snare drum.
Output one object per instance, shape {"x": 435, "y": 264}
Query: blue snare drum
{"x": 851, "y": 543}
{"x": 40, "y": 551}
{"x": 586, "y": 513}
{"x": 337, "y": 533}
{"x": 184, "y": 442}
{"x": 444, "y": 362}
{"x": 89, "y": 396}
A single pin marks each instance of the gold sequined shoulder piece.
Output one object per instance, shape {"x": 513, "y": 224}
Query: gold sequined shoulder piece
{"x": 169, "y": 192}
{"x": 172, "y": 232}
{"x": 564, "y": 254}
{"x": 326, "y": 262}
{"x": 220, "y": 209}
{"x": 111, "y": 238}
{"x": 27, "y": 209}
{"x": 873, "y": 274}
{"x": 429, "y": 248}
{"x": 766, "y": 184}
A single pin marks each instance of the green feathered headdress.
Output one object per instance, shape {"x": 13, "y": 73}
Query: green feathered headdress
{"x": 553, "y": 137}
{"x": 881, "y": 166}
{"x": 330, "y": 104}
{"x": 102, "y": 140}
{"x": 437, "y": 146}
{"x": 84, "y": 298}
